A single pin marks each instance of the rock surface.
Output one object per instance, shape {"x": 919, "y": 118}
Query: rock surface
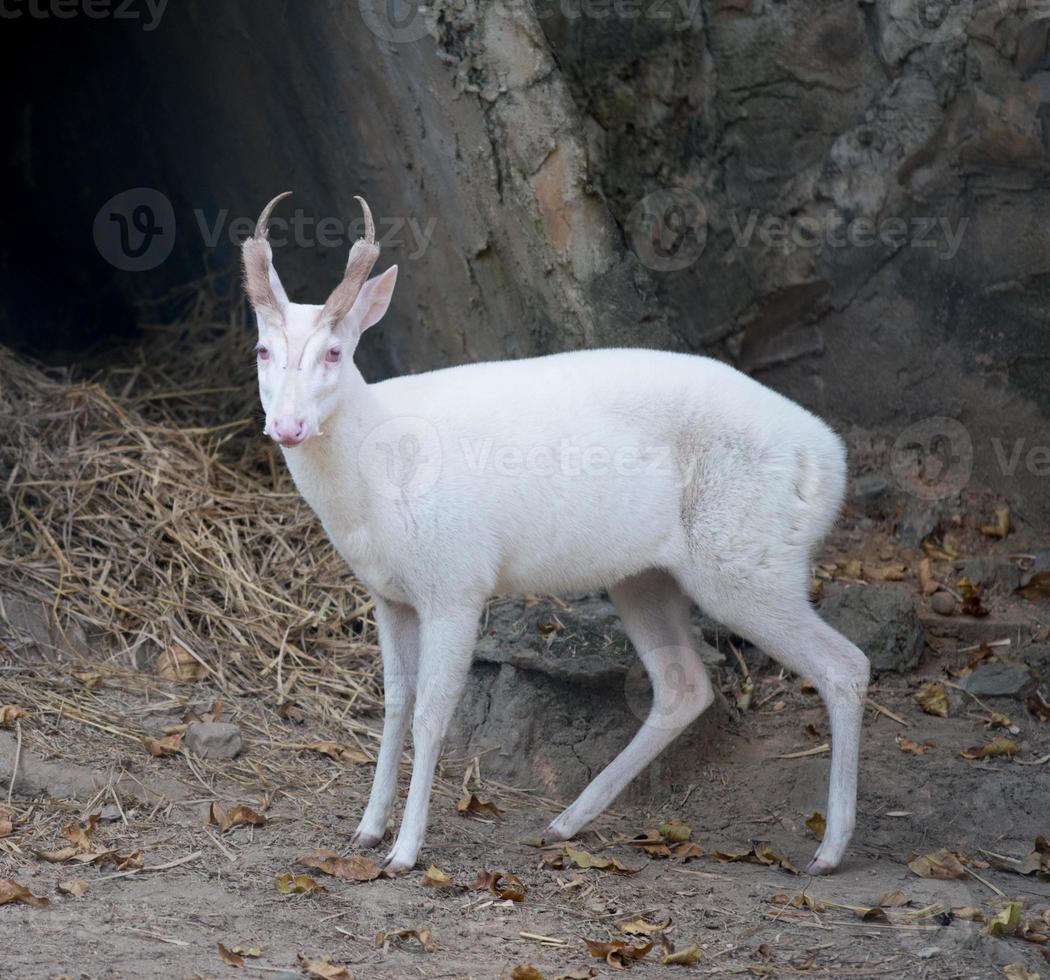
{"x": 848, "y": 178}
{"x": 213, "y": 739}
{"x": 993, "y": 572}
{"x": 556, "y": 694}
{"x": 882, "y": 622}
{"x": 1004, "y": 680}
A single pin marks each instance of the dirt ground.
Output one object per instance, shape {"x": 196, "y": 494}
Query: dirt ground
{"x": 166, "y": 888}
{"x": 199, "y": 888}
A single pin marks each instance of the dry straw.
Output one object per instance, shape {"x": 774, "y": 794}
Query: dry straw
{"x": 145, "y": 506}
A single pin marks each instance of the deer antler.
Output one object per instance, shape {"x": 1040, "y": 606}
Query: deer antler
{"x": 363, "y": 255}
{"x": 261, "y": 282}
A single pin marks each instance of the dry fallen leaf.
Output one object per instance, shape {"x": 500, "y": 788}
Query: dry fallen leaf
{"x": 502, "y": 884}
{"x": 177, "y": 664}
{"x": 289, "y": 884}
{"x": 434, "y": 877}
{"x": 229, "y": 957}
{"x": 341, "y": 753}
{"x": 675, "y": 832}
{"x": 999, "y": 720}
{"x": 1038, "y": 861}
{"x": 12, "y": 891}
{"x": 689, "y": 956}
{"x": 617, "y": 954}
{"x": 162, "y": 747}
{"x": 254, "y": 952}
{"x": 10, "y": 713}
{"x": 803, "y": 901}
{"x": 581, "y": 973}
{"x": 81, "y": 833}
{"x": 6, "y": 828}
{"x": 908, "y": 745}
{"x": 123, "y": 862}
{"x": 62, "y": 854}
{"x": 323, "y": 968}
{"x": 586, "y": 860}
{"x": 971, "y": 604}
{"x": 933, "y": 699}
{"x": 943, "y": 865}
{"x": 1039, "y": 706}
{"x": 996, "y": 747}
{"x": 475, "y": 804}
{"x": 893, "y": 900}
{"x": 760, "y": 853}
{"x": 1018, "y": 971}
{"x": 76, "y": 887}
{"x": 652, "y": 843}
{"x": 525, "y": 971}
{"x": 423, "y": 935}
{"x": 354, "y": 868}
{"x": 927, "y": 582}
{"x": 643, "y": 927}
{"x": 1006, "y": 922}
{"x": 236, "y": 816}
{"x": 817, "y": 824}
{"x": 688, "y": 851}
{"x": 1001, "y": 527}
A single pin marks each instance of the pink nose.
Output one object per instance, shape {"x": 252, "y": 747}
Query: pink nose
{"x": 289, "y": 430}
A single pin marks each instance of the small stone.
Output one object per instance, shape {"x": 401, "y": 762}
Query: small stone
{"x": 942, "y": 603}
{"x": 929, "y": 952}
{"x": 1003, "y": 680}
{"x": 213, "y": 739}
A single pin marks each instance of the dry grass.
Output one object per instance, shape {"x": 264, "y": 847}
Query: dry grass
{"x": 144, "y": 507}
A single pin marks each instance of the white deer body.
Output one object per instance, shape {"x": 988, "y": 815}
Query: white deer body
{"x": 665, "y": 478}
{"x": 569, "y": 472}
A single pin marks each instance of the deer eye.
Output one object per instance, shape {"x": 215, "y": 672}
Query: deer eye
{"x": 334, "y": 355}
{"x": 263, "y": 353}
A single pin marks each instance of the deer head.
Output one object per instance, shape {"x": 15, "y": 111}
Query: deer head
{"x": 304, "y": 350}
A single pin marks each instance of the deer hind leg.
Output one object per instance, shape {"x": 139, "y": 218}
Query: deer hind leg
{"x": 656, "y": 616}
{"x": 781, "y": 622}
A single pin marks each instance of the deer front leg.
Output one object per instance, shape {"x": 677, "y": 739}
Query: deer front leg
{"x": 446, "y": 650}
{"x": 399, "y": 644}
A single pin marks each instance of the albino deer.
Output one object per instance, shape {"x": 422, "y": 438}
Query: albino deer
{"x": 666, "y": 479}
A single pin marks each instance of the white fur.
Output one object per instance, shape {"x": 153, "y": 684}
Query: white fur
{"x": 665, "y": 478}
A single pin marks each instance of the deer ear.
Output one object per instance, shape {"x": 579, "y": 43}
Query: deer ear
{"x": 373, "y": 301}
